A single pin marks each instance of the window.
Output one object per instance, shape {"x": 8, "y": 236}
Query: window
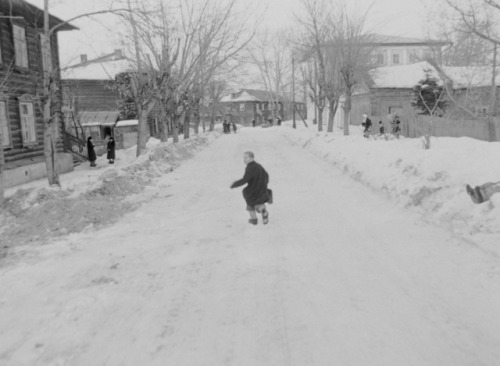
{"x": 242, "y": 107}
{"x": 27, "y": 123}
{"x": 413, "y": 57}
{"x": 46, "y": 54}
{"x": 395, "y": 59}
{"x": 20, "y": 47}
{"x": 4, "y": 124}
{"x": 380, "y": 59}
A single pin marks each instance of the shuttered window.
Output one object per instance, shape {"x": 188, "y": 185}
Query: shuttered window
{"x": 20, "y": 46}
{"x": 4, "y": 125}
{"x": 27, "y": 123}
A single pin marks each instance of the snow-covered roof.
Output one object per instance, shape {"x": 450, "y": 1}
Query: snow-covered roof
{"x": 382, "y": 39}
{"x": 470, "y": 76}
{"x": 252, "y": 95}
{"x": 98, "y": 70}
{"x": 127, "y": 122}
{"x": 104, "y": 118}
{"x": 402, "y": 76}
{"x": 243, "y": 97}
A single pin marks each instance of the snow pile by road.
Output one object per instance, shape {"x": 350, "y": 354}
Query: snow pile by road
{"x": 90, "y": 197}
{"x": 432, "y": 181}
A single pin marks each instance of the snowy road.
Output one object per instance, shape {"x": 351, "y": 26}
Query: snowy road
{"x": 338, "y": 277}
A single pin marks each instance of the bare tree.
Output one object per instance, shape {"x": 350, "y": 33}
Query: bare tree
{"x": 314, "y": 24}
{"x": 270, "y": 53}
{"x": 349, "y": 44}
{"x": 182, "y": 49}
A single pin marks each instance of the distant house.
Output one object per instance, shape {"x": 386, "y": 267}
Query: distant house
{"x": 259, "y": 105}
{"x": 396, "y": 50}
{"x": 22, "y": 63}
{"x": 472, "y": 89}
{"x": 389, "y": 91}
{"x": 90, "y": 97}
{"x": 391, "y": 51}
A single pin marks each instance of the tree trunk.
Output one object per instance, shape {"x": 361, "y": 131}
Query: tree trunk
{"x": 163, "y": 124}
{"x": 185, "y": 124}
{"x": 50, "y": 145}
{"x": 347, "y": 112}
{"x": 320, "y": 118}
{"x": 212, "y": 123}
{"x": 332, "y": 108}
{"x": 175, "y": 128}
{"x": 197, "y": 120}
{"x": 2, "y": 162}
{"x": 49, "y": 94}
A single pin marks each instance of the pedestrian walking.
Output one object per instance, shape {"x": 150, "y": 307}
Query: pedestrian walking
{"x": 395, "y": 122}
{"x": 91, "y": 152}
{"x": 367, "y": 124}
{"x": 234, "y": 127}
{"x": 256, "y": 193}
{"x": 111, "y": 150}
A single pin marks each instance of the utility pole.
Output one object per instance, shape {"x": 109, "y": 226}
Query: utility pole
{"x": 293, "y": 91}
{"x": 315, "y": 93}
{"x": 493, "y": 96}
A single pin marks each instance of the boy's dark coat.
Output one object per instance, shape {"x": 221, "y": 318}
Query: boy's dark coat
{"x": 256, "y": 191}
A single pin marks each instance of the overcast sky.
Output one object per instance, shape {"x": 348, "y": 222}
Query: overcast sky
{"x": 392, "y": 17}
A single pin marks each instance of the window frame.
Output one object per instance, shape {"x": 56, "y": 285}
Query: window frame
{"x": 242, "y": 107}
{"x": 20, "y": 49}
{"x": 396, "y": 59}
{"x": 5, "y": 127}
{"x": 28, "y": 128}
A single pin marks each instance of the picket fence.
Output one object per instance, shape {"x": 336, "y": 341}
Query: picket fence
{"x": 414, "y": 126}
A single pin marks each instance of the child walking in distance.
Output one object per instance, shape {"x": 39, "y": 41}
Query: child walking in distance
{"x": 256, "y": 193}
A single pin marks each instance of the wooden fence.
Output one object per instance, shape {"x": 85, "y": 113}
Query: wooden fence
{"x": 487, "y": 129}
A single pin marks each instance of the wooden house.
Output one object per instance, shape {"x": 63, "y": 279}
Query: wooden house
{"x": 22, "y": 64}
{"x": 90, "y": 96}
{"x": 247, "y": 105}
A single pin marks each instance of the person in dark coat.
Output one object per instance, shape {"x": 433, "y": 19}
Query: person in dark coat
{"x": 91, "y": 152}
{"x": 256, "y": 193}
{"x": 111, "y": 150}
{"x": 395, "y": 122}
{"x": 367, "y": 124}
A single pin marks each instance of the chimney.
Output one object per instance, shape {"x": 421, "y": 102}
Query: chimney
{"x": 118, "y": 54}
{"x": 83, "y": 58}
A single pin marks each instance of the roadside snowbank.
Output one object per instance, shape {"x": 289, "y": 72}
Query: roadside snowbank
{"x": 432, "y": 181}
{"x": 90, "y": 197}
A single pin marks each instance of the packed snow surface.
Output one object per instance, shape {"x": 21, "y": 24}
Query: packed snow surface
{"x": 374, "y": 255}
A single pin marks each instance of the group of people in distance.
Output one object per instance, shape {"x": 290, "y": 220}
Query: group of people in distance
{"x": 478, "y": 194}
{"x": 227, "y": 126}
{"x": 110, "y": 146}
{"x": 269, "y": 122}
{"x": 395, "y": 124}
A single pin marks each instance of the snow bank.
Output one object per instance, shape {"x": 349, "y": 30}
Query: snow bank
{"x": 91, "y": 197}
{"x": 432, "y": 181}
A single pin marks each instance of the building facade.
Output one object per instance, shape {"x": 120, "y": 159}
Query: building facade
{"x": 248, "y": 105}
{"x": 22, "y": 66}
{"x": 395, "y": 50}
